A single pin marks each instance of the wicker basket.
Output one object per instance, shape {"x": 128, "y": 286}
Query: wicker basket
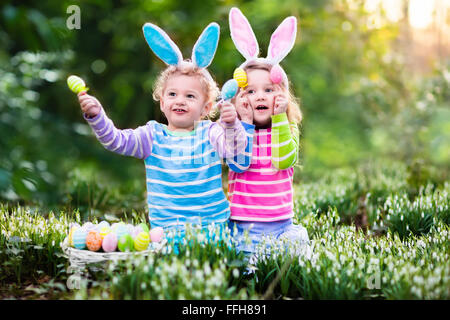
{"x": 80, "y": 258}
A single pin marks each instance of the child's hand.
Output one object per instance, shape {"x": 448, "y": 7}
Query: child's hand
{"x": 280, "y": 104}
{"x": 227, "y": 113}
{"x": 89, "y": 104}
{"x": 243, "y": 107}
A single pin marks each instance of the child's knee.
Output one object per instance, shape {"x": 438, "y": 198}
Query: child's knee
{"x": 303, "y": 233}
{"x": 295, "y": 233}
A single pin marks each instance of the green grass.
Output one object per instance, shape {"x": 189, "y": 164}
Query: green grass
{"x": 400, "y": 252}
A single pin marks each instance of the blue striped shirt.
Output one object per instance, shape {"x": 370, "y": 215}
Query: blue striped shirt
{"x": 183, "y": 172}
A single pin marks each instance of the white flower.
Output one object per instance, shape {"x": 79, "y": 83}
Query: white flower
{"x": 198, "y": 274}
{"x": 207, "y": 269}
{"x": 201, "y": 237}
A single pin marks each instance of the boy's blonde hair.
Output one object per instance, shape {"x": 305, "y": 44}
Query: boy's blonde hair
{"x": 189, "y": 69}
{"x": 293, "y": 112}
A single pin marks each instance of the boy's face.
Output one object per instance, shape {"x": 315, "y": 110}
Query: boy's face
{"x": 184, "y": 101}
{"x": 261, "y": 93}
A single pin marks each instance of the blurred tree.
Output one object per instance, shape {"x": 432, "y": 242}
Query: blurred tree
{"x": 357, "y": 97}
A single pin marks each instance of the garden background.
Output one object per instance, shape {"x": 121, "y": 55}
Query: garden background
{"x": 373, "y": 78}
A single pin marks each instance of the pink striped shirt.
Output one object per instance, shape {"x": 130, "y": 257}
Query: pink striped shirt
{"x": 263, "y": 192}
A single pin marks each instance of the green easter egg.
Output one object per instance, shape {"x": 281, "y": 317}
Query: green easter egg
{"x": 144, "y": 227}
{"x": 126, "y": 243}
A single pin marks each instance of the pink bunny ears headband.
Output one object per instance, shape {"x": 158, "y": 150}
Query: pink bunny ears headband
{"x": 165, "y": 49}
{"x": 281, "y": 43}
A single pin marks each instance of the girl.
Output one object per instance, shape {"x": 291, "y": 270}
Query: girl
{"x": 182, "y": 159}
{"x": 261, "y": 197}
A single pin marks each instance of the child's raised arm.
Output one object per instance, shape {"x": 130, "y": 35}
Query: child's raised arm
{"x": 285, "y": 142}
{"x": 130, "y": 142}
{"x": 241, "y": 162}
{"x": 230, "y": 138}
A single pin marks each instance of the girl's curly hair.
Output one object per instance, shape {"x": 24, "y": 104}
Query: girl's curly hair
{"x": 189, "y": 69}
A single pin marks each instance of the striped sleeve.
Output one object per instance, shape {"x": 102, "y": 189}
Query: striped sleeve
{"x": 241, "y": 162}
{"x": 285, "y": 142}
{"x": 129, "y": 142}
{"x": 228, "y": 140}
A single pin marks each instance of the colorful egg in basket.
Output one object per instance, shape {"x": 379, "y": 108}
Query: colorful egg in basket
{"x": 104, "y": 223}
{"x": 144, "y": 227}
{"x": 79, "y": 238}
{"x": 126, "y": 243}
{"x": 89, "y": 226}
{"x": 116, "y": 225}
{"x": 156, "y": 234}
{"x": 94, "y": 240}
{"x": 71, "y": 232}
{"x": 104, "y": 231}
{"x": 121, "y": 230}
{"x": 141, "y": 241}
{"x": 110, "y": 238}
{"x": 109, "y": 243}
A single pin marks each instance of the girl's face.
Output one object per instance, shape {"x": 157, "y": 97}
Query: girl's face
{"x": 183, "y": 102}
{"x": 261, "y": 93}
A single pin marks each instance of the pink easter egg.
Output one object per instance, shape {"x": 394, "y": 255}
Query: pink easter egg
{"x": 156, "y": 234}
{"x": 109, "y": 243}
{"x": 276, "y": 74}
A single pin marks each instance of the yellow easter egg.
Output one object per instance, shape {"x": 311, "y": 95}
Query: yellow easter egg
{"x": 104, "y": 231}
{"x": 72, "y": 230}
{"x": 141, "y": 241}
{"x": 241, "y": 77}
{"x": 76, "y": 84}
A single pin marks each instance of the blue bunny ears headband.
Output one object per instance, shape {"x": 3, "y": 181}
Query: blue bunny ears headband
{"x": 165, "y": 49}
